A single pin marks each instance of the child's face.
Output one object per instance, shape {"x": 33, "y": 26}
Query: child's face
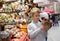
{"x": 26, "y": 8}
{"x": 35, "y": 17}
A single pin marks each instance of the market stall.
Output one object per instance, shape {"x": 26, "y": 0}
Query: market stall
{"x": 12, "y": 22}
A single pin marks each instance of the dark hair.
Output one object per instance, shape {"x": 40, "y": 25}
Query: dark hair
{"x": 30, "y": 5}
{"x": 35, "y": 5}
{"x": 26, "y": 1}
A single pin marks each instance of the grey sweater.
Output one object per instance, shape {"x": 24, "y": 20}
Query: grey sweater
{"x": 35, "y": 33}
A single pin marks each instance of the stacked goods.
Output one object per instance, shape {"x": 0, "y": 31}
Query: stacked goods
{"x": 4, "y": 18}
{"x": 23, "y": 27}
{"x": 16, "y": 32}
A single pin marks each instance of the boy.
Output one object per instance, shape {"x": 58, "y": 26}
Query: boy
{"x": 36, "y": 30}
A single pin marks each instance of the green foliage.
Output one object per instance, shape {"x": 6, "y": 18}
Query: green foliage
{"x": 29, "y": 20}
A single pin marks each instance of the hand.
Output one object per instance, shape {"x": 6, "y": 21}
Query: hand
{"x": 42, "y": 28}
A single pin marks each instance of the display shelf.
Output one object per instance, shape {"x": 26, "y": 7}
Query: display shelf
{"x": 9, "y": 12}
{"x": 23, "y": 38}
{"x": 7, "y": 1}
{"x": 16, "y": 11}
